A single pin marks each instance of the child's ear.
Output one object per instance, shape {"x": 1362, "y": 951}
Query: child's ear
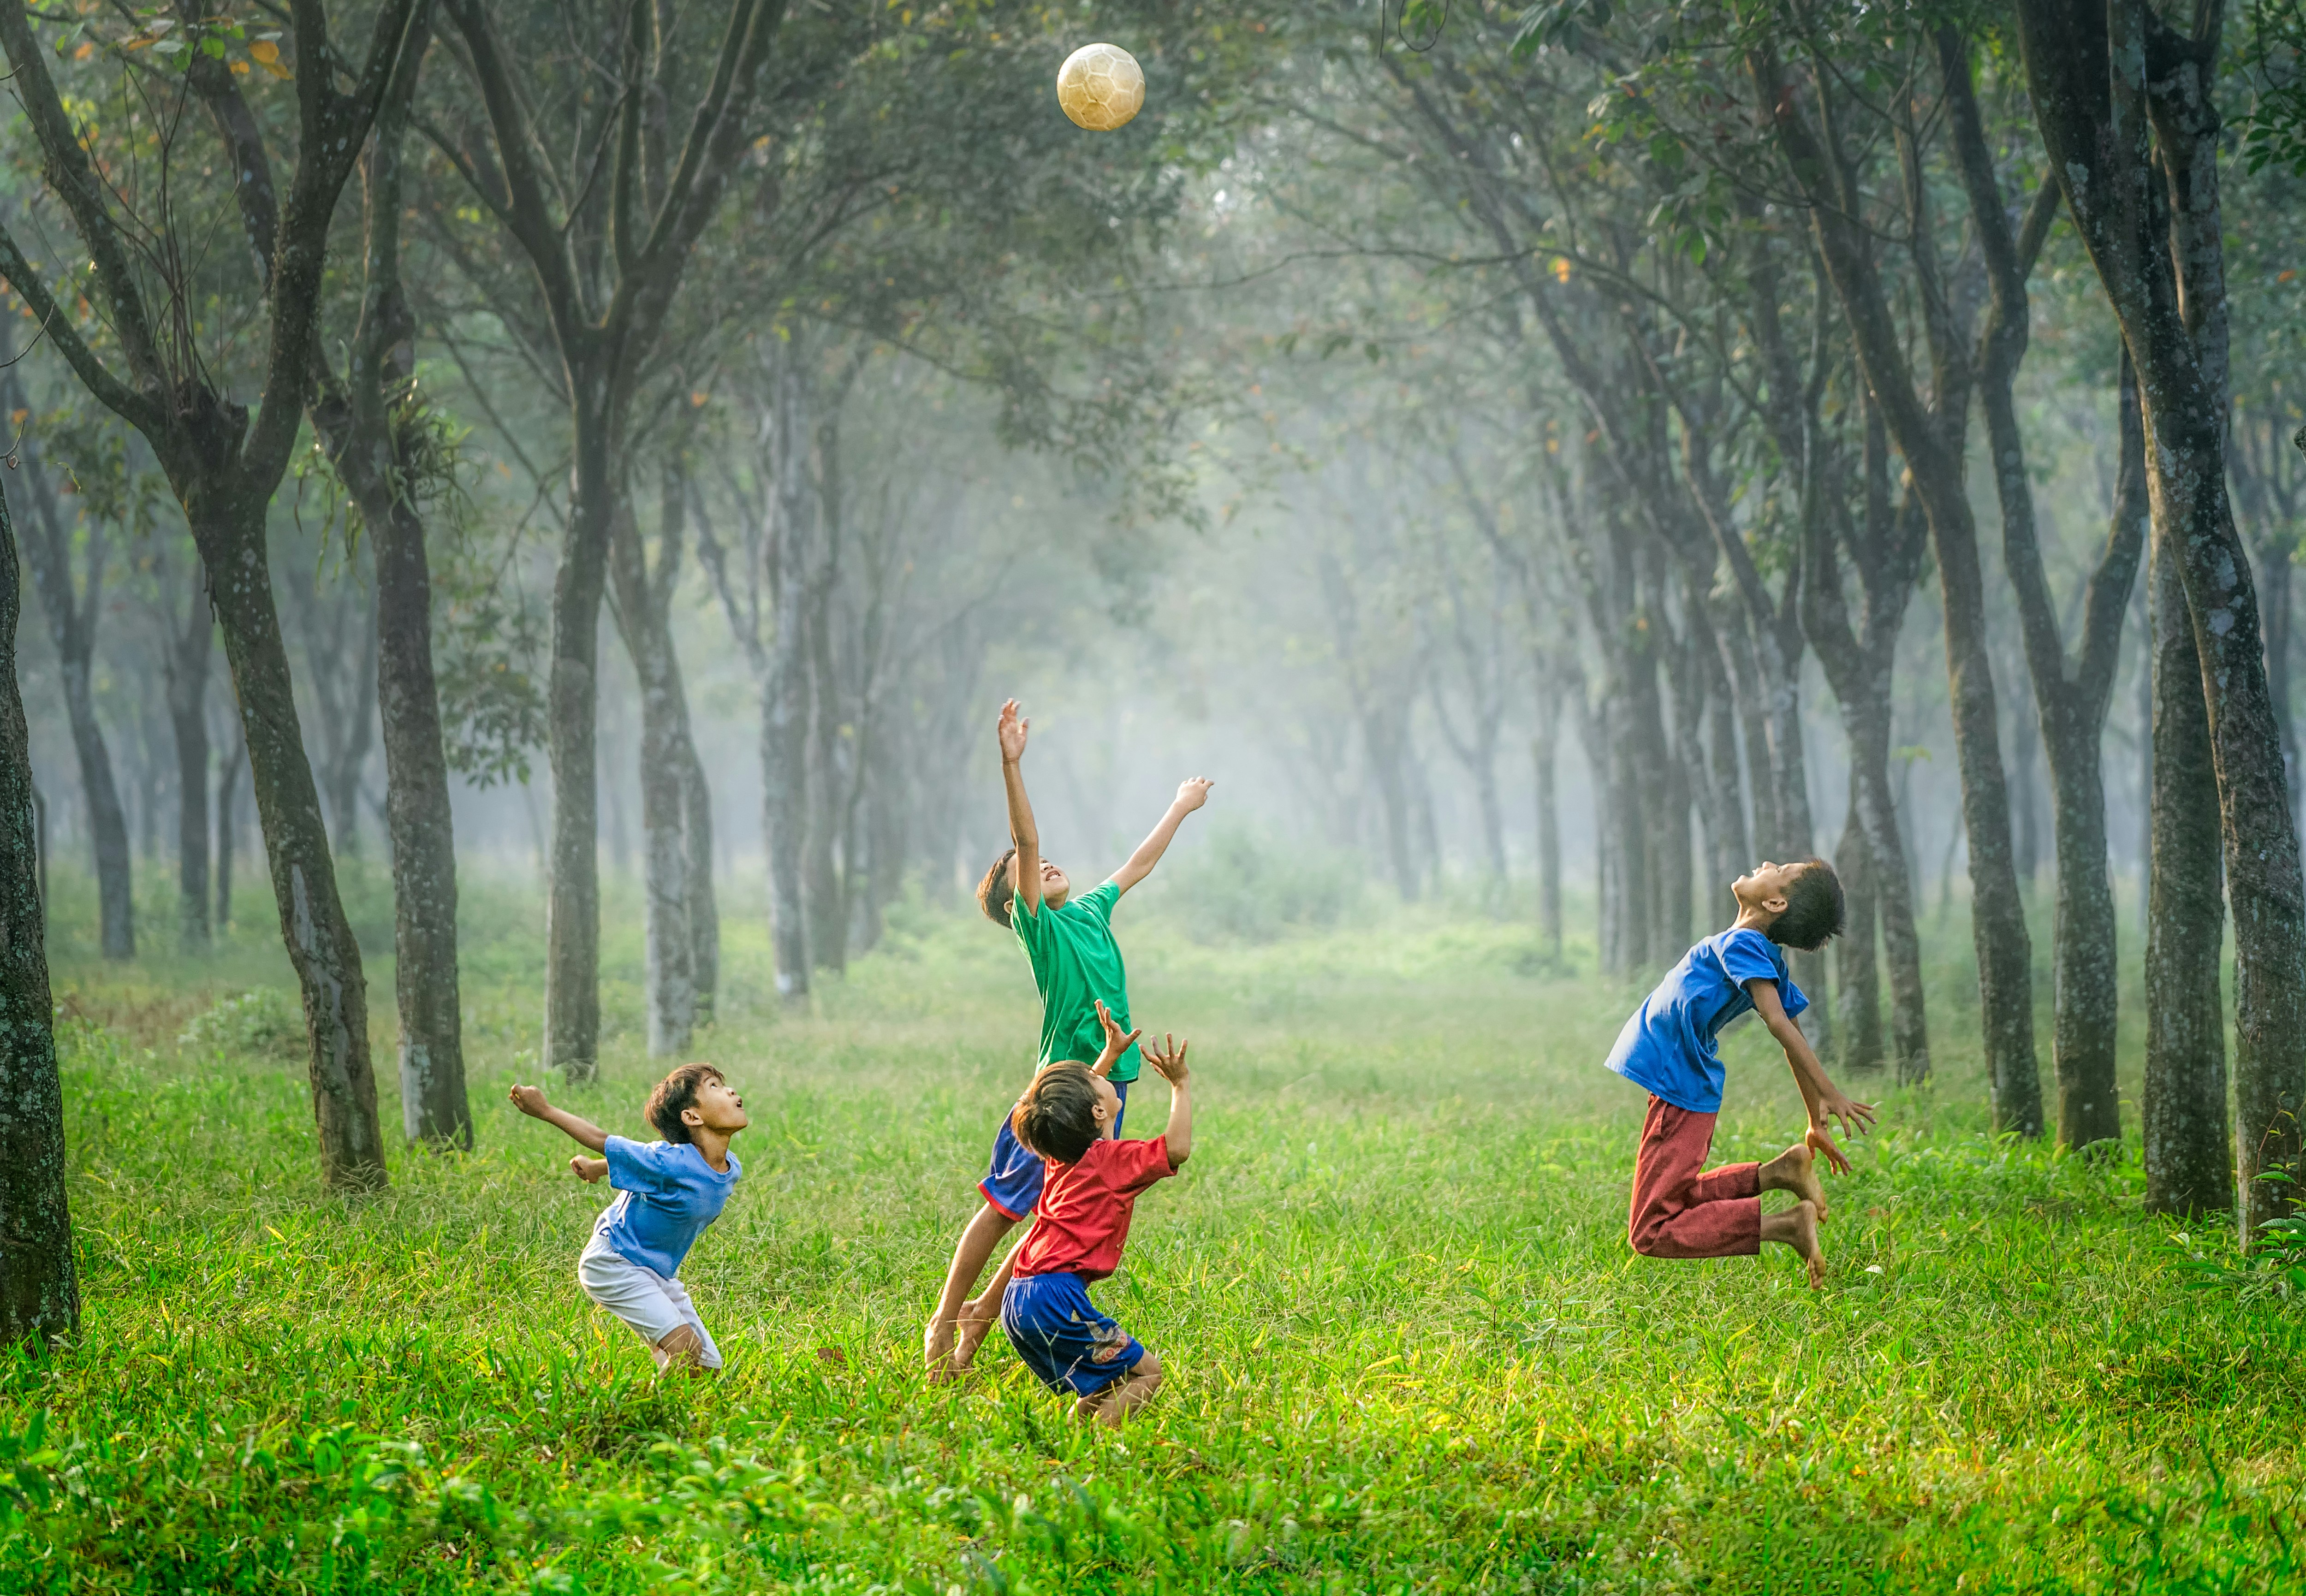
{"x": 693, "y": 1120}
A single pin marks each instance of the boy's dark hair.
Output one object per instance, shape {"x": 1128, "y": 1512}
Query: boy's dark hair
{"x": 993, "y": 892}
{"x": 1815, "y": 909}
{"x": 674, "y": 1093}
{"x": 1057, "y": 1116}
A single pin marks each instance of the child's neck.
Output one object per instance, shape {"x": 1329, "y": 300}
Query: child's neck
{"x": 1753, "y": 919}
{"x": 714, "y": 1145}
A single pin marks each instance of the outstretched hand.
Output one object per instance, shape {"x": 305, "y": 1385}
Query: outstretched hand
{"x": 1115, "y": 1043}
{"x": 1170, "y": 1062}
{"x": 1834, "y": 1107}
{"x": 588, "y": 1170}
{"x": 1820, "y": 1143}
{"x": 1194, "y": 791}
{"x": 530, "y": 1100}
{"x": 1012, "y": 732}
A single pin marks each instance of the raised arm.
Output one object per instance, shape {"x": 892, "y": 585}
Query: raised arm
{"x": 1825, "y": 1101}
{"x": 1021, "y": 832}
{"x": 530, "y": 1101}
{"x": 1170, "y": 1060}
{"x": 1116, "y": 1044}
{"x": 1191, "y": 794}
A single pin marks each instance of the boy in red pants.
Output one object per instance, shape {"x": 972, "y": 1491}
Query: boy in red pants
{"x": 1667, "y": 1046}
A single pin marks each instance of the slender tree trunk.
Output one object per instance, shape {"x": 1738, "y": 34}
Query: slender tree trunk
{"x": 2188, "y": 1160}
{"x": 1892, "y": 890}
{"x": 572, "y": 914}
{"x": 350, "y": 760}
{"x": 2025, "y": 798}
{"x": 71, "y": 627}
{"x": 785, "y": 691}
{"x": 228, "y": 522}
{"x": 39, "y": 1293}
{"x": 704, "y": 908}
{"x": 1544, "y": 746}
{"x": 1857, "y": 977}
{"x": 227, "y": 829}
{"x": 188, "y": 719}
{"x": 828, "y": 902}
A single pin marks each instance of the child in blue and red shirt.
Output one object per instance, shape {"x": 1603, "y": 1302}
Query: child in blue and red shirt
{"x": 1092, "y": 1179}
{"x": 1668, "y": 1048}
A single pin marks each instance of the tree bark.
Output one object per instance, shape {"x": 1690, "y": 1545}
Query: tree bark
{"x": 1544, "y": 746}
{"x": 367, "y": 423}
{"x": 790, "y": 433}
{"x": 227, "y": 830}
{"x": 39, "y": 1291}
{"x": 1922, "y": 435}
{"x": 72, "y": 611}
{"x": 2124, "y": 105}
{"x": 2189, "y": 1159}
{"x": 2071, "y": 691}
{"x": 187, "y": 674}
{"x": 1858, "y": 985}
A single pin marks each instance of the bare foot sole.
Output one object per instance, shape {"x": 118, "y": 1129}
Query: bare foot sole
{"x": 970, "y": 1334}
{"x": 1803, "y": 1217}
{"x": 1801, "y": 1170}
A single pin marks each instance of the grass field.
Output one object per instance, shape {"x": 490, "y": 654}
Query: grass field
{"x": 1409, "y": 1348}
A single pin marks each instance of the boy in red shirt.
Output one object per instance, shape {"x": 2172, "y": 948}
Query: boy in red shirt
{"x": 1068, "y": 1116}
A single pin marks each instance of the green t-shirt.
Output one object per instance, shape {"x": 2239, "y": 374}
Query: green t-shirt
{"x": 1075, "y": 963}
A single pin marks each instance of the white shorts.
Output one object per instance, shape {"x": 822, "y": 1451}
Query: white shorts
{"x": 653, "y": 1305}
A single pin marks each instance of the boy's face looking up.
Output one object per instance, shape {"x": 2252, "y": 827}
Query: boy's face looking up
{"x": 1108, "y": 1108}
{"x": 1762, "y": 890}
{"x": 718, "y": 1108}
{"x": 1055, "y": 886}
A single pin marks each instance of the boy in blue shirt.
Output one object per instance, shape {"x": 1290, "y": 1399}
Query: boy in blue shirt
{"x": 1667, "y": 1046}
{"x": 667, "y": 1192}
{"x": 1076, "y": 966}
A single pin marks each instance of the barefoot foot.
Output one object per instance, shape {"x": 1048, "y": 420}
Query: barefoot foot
{"x": 1803, "y": 1216}
{"x": 1795, "y": 1170}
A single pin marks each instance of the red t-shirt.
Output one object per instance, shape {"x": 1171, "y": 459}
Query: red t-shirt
{"x": 1082, "y": 1219}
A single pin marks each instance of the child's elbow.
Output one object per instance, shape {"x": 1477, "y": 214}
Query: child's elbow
{"x": 1178, "y": 1155}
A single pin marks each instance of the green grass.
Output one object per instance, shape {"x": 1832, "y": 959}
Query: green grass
{"x": 1410, "y": 1349}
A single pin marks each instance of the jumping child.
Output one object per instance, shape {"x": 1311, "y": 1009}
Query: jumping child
{"x": 668, "y": 1192}
{"x": 1076, "y": 965}
{"x": 1667, "y": 1046}
{"x": 1071, "y": 1115}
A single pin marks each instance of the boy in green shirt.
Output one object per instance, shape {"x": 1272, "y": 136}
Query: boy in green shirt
{"x": 1076, "y": 966}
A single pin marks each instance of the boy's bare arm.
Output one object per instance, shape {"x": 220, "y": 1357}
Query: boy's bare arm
{"x": 1169, "y": 1059}
{"x": 1191, "y": 794}
{"x": 1826, "y": 1102}
{"x": 530, "y": 1101}
{"x": 1022, "y": 833}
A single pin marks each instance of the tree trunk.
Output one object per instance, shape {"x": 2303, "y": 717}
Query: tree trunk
{"x": 572, "y": 913}
{"x": 188, "y": 719}
{"x": 1544, "y": 746}
{"x": 784, "y": 688}
{"x": 1891, "y": 888}
{"x": 1857, "y": 977}
{"x": 703, "y": 906}
{"x": 71, "y": 617}
{"x": 2025, "y": 798}
{"x": 39, "y": 1293}
{"x": 228, "y": 522}
{"x": 2188, "y": 1160}
{"x": 227, "y": 829}
{"x": 2099, "y": 80}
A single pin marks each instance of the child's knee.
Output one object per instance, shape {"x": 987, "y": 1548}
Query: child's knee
{"x": 1147, "y": 1368}
{"x": 1644, "y": 1233}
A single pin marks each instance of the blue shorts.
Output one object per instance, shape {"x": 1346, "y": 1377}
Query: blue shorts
{"x": 1012, "y": 1179}
{"x": 1057, "y": 1330}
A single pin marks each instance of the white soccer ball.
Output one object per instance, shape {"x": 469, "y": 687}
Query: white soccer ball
{"x": 1100, "y": 87}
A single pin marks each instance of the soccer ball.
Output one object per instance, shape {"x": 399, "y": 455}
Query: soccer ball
{"x": 1100, "y": 87}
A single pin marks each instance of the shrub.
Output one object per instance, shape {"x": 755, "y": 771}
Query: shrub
{"x": 1238, "y": 884}
{"x": 264, "y": 1023}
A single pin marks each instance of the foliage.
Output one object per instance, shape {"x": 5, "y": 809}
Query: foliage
{"x": 262, "y": 1023}
{"x": 1409, "y": 1349}
{"x": 1240, "y": 884}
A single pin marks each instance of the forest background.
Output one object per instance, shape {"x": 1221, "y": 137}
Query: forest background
{"x": 554, "y": 493}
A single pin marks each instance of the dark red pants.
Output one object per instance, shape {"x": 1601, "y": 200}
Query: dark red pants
{"x": 1680, "y": 1212}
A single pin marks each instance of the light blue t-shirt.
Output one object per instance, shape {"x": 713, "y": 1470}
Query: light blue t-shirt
{"x": 667, "y": 1195}
{"x": 1667, "y": 1044}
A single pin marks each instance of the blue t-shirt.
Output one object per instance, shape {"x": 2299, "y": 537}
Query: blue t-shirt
{"x": 667, "y": 1195}
{"x": 1668, "y": 1044}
